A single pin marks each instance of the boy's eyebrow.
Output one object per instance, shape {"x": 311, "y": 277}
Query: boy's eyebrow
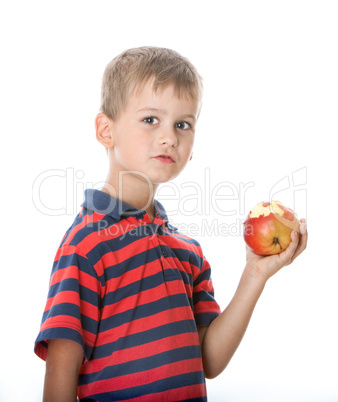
{"x": 151, "y": 109}
{"x": 154, "y": 109}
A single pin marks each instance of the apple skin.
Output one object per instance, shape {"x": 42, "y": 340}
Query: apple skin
{"x": 268, "y": 228}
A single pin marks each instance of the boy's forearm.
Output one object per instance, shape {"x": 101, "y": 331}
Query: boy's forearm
{"x": 225, "y": 333}
{"x": 60, "y": 387}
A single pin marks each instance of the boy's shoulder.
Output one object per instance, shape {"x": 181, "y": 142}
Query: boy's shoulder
{"x": 106, "y": 224}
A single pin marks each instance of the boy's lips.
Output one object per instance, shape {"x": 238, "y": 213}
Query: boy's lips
{"x": 165, "y": 158}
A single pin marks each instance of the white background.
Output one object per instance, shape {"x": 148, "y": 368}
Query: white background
{"x": 269, "y": 122}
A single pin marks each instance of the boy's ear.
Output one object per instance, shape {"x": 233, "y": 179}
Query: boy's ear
{"x": 103, "y": 130}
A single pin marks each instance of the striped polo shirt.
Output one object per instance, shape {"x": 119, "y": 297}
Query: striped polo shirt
{"x": 132, "y": 292}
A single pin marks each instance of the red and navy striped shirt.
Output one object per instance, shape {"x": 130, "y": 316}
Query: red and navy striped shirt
{"x": 132, "y": 292}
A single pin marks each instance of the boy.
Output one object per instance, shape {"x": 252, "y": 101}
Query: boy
{"x": 130, "y": 313}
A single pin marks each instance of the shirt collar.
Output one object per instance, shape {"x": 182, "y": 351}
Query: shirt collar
{"x": 103, "y": 203}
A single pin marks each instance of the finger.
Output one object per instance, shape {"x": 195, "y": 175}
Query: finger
{"x": 286, "y": 256}
{"x": 303, "y": 233}
{"x": 302, "y": 240}
{"x": 303, "y": 226}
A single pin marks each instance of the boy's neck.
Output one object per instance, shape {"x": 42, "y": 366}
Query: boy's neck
{"x": 133, "y": 190}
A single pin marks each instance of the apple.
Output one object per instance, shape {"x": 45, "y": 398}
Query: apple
{"x": 268, "y": 228}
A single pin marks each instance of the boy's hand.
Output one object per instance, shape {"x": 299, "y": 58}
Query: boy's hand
{"x": 267, "y": 266}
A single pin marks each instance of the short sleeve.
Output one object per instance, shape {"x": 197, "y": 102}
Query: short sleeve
{"x": 73, "y": 304}
{"x": 206, "y": 309}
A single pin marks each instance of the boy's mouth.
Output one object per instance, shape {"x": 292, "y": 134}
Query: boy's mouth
{"x": 165, "y": 158}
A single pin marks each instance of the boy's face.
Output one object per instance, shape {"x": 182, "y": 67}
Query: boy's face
{"x": 154, "y": 134}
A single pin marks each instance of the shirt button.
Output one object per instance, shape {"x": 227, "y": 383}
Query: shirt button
{"x": 164, "y": 251}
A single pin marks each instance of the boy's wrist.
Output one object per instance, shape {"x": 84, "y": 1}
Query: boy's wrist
{"x": 254, "y": 275}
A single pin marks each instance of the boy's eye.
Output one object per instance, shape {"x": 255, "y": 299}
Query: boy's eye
{"x": 183, "y": 125}
{"x": 151, "y": 120}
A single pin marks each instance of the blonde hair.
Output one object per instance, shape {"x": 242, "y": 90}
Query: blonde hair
{"x": 133, "y": 68}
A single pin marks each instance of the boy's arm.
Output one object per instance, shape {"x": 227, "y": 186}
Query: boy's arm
{"x": 220, "y": 340}
{"x": 64, "y": 359}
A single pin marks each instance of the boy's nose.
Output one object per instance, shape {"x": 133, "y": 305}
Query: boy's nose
{"x": 168, "y": 136}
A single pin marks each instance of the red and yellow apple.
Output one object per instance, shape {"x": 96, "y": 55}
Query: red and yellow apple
{"x": 268, "y": 228}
